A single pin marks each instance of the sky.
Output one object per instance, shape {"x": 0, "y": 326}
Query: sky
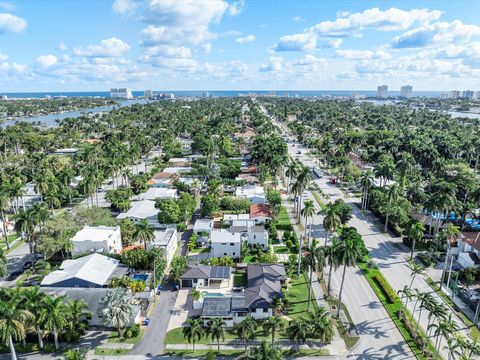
{"x": 92, "y": 45}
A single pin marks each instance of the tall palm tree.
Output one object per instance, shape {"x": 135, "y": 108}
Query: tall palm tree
{"x": 54, "y": 316}
{"x": 77, "y": 312}
{"x": 307, "y": 212}
{"x": 117, "y": 310}
{"x": 193, "y": 331}
{"x": 321, "y": 323}
{"x": 415, "y": 233}
{"x": 34, "y": 301}
{"x": 144, "y": 232}
{"x": 444, "y": 329}
{"x": 13, "y": 322}
{"x": 314, "y": 258}
{"x": 4, "y": 205}
{"x": 367, "y": 181}
{"x": 298, "y": 331}
{"x": 416, "y": 269}
{"x": 456, "y": 345}
{"x": 25, "y": 223}
{"x": 271, "y": 325}
{"x": 393, "y": 194}
{"x": 245, "y": 330}
{"x": 333, "y": 260}
{"x": 331, "y": 221}
{"x": 349, "y": 253}
{"x": 216, "y": 330}
{"x": 292, "y": 172}
{"x": 426, "y": 302}
{"x": 451, "y": 232}
{"x": 407, "y": 293}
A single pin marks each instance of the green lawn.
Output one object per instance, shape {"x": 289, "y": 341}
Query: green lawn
{"x": 250, "y": 259}
{"x": 113, "y": 338}
{"x": 393, "y": 310}
{"x": 200, "y": 353}
{"x": 175, "y": 336}
{"x": 283, "y": 218}
{"x": 350, "y": 341}
{"x": 111, "y": 352}
{"x": 240, "y": 279}
{"x": 297, "y": 296}
{"x": 281, "y": 250}
{"x": 199, "y": 250}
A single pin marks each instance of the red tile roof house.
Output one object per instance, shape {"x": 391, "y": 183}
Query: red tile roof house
{"x": 260, "y": 213}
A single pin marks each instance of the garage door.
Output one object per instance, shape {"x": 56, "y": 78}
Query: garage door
{"x": 187, "y": 283}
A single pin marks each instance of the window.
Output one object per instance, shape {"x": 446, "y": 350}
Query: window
{"x": 254, "y": 237}
{"x": 224, "y": 254}
{"x": 232, "y": 244}
{"x": 233, "y": 254}
{"x": 265, "y": 310}
{"x": 224, "y": 243}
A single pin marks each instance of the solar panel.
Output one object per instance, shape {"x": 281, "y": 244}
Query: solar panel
{"x": 216, "y": 306}
{"x": 220, "y": 272}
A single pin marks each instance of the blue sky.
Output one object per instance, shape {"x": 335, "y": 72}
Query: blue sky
{"x": 64, "y": 45}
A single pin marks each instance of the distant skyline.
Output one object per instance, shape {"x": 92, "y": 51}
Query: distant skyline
{"x": 60, "y": 45}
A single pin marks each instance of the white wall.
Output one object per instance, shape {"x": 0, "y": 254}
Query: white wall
{"x": 259, "y": 314}
{"x": 260, "y": 238}
{"x": 112, "y": 245}
{"x": 229, "y": 249}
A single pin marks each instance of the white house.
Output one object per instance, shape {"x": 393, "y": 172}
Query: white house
{"x": 97, "y": 239}
{"x": 468, "y": 249}
{"x": 158, "y": 193}
{"x": 203, "y": 226}
{"x": 140, "y": 210}
{"x": 229, "y": 218}
{"x": 166, "y": 240}
{"x": 258, "y": 235}
{"x": 225, "y": 243}
{"x": 254, "y": 193}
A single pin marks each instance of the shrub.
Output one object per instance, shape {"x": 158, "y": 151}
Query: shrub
{"x": 286, "y": 227}
{"x": 289, "y": 244}
{"x": 181, "y": 227}
{"x": 210, "y": 355}
{"x": 386, "y": 289}
{"x": 132, "y": 331}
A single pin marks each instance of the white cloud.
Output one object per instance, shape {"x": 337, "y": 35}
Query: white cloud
{"x": 353, "y": 24}
{"x": 7, "y": 6}
{"x": 236, "y": 7}
{"x": 362, "y": 54}
{"x": 46, "y": 61}
{"x": 436, "y": 33}
{"x": 275, "y": 64}
{"x": 3, "y": 57}
{"x": 123, "y": 6}
{"x": 245, "y": 39}
{"x": 11, "y": 24}
{"x": 169, "y": 51}
{"x": 112, "y": 47}
{"x": 62, "y": 46}
{"x": 206, "y": 48}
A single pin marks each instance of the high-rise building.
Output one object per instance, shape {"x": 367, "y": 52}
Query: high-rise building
{"x": 205, "y": 94}
{"x": 454, "y": 94}
{"x": 468, "y": 94}
{"x": 406, "y": 91}
{"x": 148, "y": 93}
{"x": 477, "y": 94}
{"x": 121, "y": 93}
{"x": 382, "y": 91}
{"x": 3, "y": 97}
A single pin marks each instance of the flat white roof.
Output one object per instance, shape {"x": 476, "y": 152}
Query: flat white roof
{"x": 242, "y": 222}
{"x": 221, "y": 236}
{"x": 250, "y": 191}
{"x": 158, "y": 193}
{"x": 174, "y": 170}
{"x": 140, "y": 210}
{"x": 95, "y": 233}
{"x": 203, "y": 224}
{"x": 163, "y": 238}
{"x": 93, "y": 268}
{"x": 232, "y": 217}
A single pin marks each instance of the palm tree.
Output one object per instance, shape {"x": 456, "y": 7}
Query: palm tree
{"x": 292, "y": 172}
{"x": 437, "y": 312}
{"x": 456, "y": 345}
{"x": 4, "y": 204}
{"x": 298, "y": 331}
{"x": 331, "y": 221}
{"x": 415, "y": 233}
{"x": 367, "y": 181}
{"x": 349, "y": 253}
{"x": 216, "y": 330}
{"x": 54, "y": 316}
{"x": 33, "y": 299}
{"x": 271, "y": 325}
{"x": 451, "y": 232}
{"x": 77, "y": 311}
{"x": 321, "y": 323}
{"x": 117, "y": 309}
{"x": 408, "y": 294}
{"x": 196, "y": 295}
{"x": 426, "y": 302}
{"x": 416, "y": 269}
{"x": 25, "y": 225}
{"x": 444, "y": 328}
{"x": 263, "y": 352}
{"x": 76, "y": 354}
{"x": 193, "y": 331}
{"x": 245, "y": 330}
{"x": 13, "y": 320}
{"x": 144, "y": 232}
{"x": 393, "y": 194}
{"x": 333, "y": 260}
{"x": 315, "y": 258}
{"x": 307, "y": 212}
{"x": 3, "y": 264}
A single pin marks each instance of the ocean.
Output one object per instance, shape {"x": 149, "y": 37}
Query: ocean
{"x": 222, "y": 93}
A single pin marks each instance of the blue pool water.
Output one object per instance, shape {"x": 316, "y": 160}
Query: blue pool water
{"x": 207, "y": 294}
{"x": 141, "y": 277}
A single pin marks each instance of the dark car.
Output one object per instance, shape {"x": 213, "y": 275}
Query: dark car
{"x": 31, "y": 282}
{"x": 14, "y": 275}
{"x": 27, "y": 265}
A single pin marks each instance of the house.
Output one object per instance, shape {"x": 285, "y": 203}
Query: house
{"x": 468, "y": 249}
{"x": 140, "y": 210}
{"x": 90, "y": 271}
{"x": 177, "y": 170}
{"x": 228, "y": 218}
{"x": 260, "y": 213}
{"x": 206, "y": 276}
{"x": 264, "y": 284}
{"x": 241, "y": 225}
{"x": 254, "y": 193}
{"x": 257, "y": 235}
{"x": 203, "y": 226}
{"x": 92, "y": 297}
{"x": 181, "y": 162}
{"x": 225, "y": 243}
{"x": 166, "y": 240}
{"x": 65, "y": 152}
{"x": 155, "y": 193}
{"x": 94, "y": 239}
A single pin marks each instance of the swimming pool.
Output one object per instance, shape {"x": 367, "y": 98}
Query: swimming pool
{"x": 140, "y": 277}
{"x": 207, "y": 294}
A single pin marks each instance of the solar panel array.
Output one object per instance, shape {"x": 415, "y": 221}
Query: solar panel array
{"x": 220, "y": 272}
{"x": 216, "y": 306}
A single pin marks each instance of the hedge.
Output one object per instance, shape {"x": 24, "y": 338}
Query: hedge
{"x": 390, "y": 295}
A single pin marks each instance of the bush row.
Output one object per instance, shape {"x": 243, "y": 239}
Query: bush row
{"x": 390, "y": 295}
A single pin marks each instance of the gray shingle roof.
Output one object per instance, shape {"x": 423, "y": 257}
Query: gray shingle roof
{"x": 264, "y": 284}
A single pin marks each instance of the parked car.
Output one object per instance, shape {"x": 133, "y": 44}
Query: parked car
{"x": 146, "y": 321}
{"x": 14, "y": 275}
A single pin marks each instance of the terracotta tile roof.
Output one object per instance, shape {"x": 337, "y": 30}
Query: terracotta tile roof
{"x": 131, "y": 247}
{"x": 258, "y": 210}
